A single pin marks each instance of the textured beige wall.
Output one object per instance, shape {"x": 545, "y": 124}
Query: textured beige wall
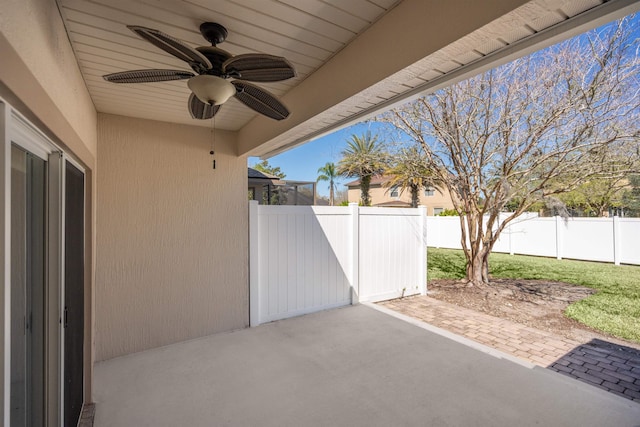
{"x": 172, "y": 235}
{"x": 440, "y": 198}
{"x": 35, "y": 30}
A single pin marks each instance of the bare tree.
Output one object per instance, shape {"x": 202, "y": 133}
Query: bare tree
{"x": 529, "y": 131}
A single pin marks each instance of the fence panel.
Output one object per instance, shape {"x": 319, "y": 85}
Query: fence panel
{"x": 303, "y": 263}
{"x": 389, "y": 258}
{"x": 533, "y": 237}
{"x": 629, "y": 240}
{"x": 508, "y": 236}
{"x": 443, "y": 232}
{"x": 310, "y": 258}
{"x": 589, "y": 239}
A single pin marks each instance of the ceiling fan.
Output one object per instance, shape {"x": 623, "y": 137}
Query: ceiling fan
{"x": 212, "y": 86}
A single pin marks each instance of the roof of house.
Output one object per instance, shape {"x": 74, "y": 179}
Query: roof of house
{"x": 375, "y": 180}
{"x": 256, "y": 174}
{"x": 393, "y": 204}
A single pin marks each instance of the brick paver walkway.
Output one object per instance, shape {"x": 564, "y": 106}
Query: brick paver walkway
{"x": 610, "y": 366}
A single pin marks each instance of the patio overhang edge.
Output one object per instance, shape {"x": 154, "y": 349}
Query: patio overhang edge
{"x": 266, "y": 146}
{"x": 421, "y": 27}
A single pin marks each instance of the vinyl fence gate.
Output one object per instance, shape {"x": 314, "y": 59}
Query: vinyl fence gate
{"x": 310, "y": 258}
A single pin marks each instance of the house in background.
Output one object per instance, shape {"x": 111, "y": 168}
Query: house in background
{"x": 434, "y": 199}
{"x": 268, "y": 189}
{"x": 135, "y": 242}
{"x": 262, "y": 185}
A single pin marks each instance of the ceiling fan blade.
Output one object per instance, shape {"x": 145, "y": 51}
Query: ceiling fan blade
{"x": 172, "y": 46}
{"x": 260, "y": 100}
{"x": 200, "y": 110}
{"x": 259, "y": 67}
{"x": 147, "y": 76}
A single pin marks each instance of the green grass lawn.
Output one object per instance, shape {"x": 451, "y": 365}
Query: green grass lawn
{"x": 614, "y": 309}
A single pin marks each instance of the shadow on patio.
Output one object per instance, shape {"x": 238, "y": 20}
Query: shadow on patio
{"x": 609, "y": 366}
{"x": 349, "y": 366}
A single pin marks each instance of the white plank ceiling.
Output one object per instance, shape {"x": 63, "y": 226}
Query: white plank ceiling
{"x": 306, "y": 32}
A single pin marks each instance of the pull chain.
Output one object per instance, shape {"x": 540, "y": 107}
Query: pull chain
{"x": 213, "y": 139}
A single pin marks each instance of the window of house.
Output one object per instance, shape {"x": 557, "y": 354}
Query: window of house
{"x": 437, "y": 211}
{"x": 395, "y": 192}
{"x": 429, "y": 191}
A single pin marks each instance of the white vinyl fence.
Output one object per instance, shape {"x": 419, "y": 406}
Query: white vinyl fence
{"x": 310, "y": 258}
{"x": 614, "y": 239}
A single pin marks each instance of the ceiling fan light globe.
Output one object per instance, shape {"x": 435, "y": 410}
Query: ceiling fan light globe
{"x": 211, "y": 90}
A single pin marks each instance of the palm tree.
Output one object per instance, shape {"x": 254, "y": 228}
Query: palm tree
{"x": 409, "y": 171}
{"x": 363, "y": 157}
{"x": 328, "y": 173}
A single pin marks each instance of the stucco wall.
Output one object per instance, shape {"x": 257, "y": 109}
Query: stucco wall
{"x": 172, "y": 235}
{"x": 35, "y": 30}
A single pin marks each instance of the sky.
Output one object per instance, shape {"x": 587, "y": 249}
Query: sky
{"x": 302, "y": 163}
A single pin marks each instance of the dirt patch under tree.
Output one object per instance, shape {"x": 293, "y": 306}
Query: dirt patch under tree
{"x": 536, "y": 303}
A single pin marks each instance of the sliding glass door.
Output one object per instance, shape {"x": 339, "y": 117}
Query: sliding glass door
{"x": 44, "y": 278}
{"x": 28, "y": 240}
{"x": 74, "y": 294}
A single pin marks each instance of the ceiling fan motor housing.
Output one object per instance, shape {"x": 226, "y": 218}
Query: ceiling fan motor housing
{"x": 217, "y": 57}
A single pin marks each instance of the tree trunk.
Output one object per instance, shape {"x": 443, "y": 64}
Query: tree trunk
{"x": 478, "y": 268}
{"x": 331, "y": 193}
{"x": 365, "y": 182}
{"x": 485, "y": 266}
{"x": 415, "y": 196}
{"x": 474, "y": 270}
{"x": 479, "y": 248}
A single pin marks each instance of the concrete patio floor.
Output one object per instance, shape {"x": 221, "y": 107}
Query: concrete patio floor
{"x": 609, "y": 365}
{"x": 354, "y": 366}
